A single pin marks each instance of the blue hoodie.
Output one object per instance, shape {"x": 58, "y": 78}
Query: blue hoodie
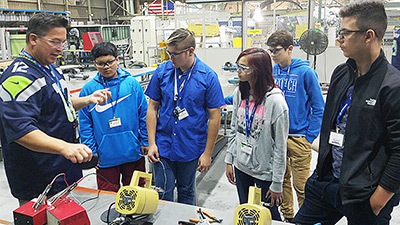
{"x": 299, "y": 83}
{"x": 121, "y": 144}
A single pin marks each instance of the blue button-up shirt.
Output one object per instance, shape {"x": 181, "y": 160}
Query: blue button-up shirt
{"x": 184, "y": 140}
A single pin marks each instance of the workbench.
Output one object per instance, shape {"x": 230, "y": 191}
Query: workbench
{"x": 167, "y": 213}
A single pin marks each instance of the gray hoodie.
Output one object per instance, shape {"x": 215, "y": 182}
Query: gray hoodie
{"x": 268, "y": 136}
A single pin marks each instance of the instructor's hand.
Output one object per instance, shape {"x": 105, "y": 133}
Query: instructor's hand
{"x": 77, "y": 153}
{"x": 100, "y": 96}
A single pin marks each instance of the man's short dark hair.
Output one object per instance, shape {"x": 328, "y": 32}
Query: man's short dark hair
{"x": 104, "y": 49}
{"x": 369, "y": 15}
{"x": 181, "y": 38}
{"x": 41, "y": 23}
{"x": 280, "y": 37}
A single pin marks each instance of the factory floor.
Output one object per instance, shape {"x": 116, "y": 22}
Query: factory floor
{"x": 212, "y": 189}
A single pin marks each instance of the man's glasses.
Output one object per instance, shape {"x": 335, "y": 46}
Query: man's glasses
{"x": 241, "y": 68}
{"x": 275, "y": 50}
{"x": 54, "y": 43}
{"x": 172, "y": 54}
{"x": 342, "y": 34}
{"x": 103, "y": 64}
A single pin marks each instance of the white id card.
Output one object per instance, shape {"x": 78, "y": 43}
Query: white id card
{"x": 116, "y": 122}
{"x": 183, "y": 114}
{"x": 336, "y": 139}
{"x": 247, "y": 148}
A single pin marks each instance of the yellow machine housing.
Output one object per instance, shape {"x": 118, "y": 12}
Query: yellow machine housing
{"x": 252, "y": 213}
{"x": 133, "y": 199}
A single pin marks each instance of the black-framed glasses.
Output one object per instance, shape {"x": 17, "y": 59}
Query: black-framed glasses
{"x": 173, "y": 54}
{"x": 343, "y": 33}
{"x": 54, "y": 43}
{"x": 241, "y": 68}
{"x": 103, "y": 64}
{"x": 274, "y": 50}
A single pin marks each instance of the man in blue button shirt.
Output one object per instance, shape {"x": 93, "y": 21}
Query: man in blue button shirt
{"x": 183, "y": 117}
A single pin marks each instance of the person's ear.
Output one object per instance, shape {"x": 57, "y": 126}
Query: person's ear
{"x": 290, "y": 48}
{"x": 33, "y": 38}
{"x": 370, "y": 34}
{"x": 191, "y": 51}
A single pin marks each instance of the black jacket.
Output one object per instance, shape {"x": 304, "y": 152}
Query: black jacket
{"x": 372, "y": 141}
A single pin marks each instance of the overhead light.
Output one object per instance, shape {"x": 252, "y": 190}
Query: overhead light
{"x": 257, "y": 15}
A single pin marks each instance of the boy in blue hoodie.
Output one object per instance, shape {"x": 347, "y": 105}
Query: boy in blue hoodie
{"x": 116, "y": 130}
{"x": 299, "y": 83}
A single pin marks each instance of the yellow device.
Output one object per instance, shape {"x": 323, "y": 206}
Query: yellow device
{"x": 133, "y": 199}
{"x": 252, "y": 212}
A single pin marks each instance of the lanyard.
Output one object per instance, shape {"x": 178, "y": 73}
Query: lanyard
{"x": 249, "y": 121}
{"x": 176, "y": 93}
{"x": 344, "y": 108}
{"x": 105, "y": 84}
{"x": 28, "y": 56}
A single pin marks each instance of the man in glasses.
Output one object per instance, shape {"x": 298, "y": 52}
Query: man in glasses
{"x": 357, "y": 174}
{"x": 116, "y": 130}
{"x": 183, "y": 117}
{"x": 39, "y": 127}
{"x": 299, "y": 83}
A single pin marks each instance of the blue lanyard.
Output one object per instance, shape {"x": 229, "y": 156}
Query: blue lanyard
{"x": 179, "y": 90}
{"x": 28, "y": 56}
{"x": 105, "y": 84}
{"x": 344, "y": 108}
{"x": 249, "y": 121}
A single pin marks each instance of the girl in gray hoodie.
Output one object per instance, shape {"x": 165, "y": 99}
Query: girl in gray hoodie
{"x": 256, "y": 152}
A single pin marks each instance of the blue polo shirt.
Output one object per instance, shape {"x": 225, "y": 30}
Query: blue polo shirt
{"x": 184, "y": 140}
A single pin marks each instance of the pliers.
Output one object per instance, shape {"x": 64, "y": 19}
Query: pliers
{"x": 211, "y": 216}
{"x": 203, "y": 219}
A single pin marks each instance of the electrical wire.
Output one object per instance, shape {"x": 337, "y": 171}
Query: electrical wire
{"x": 105, "y": 179}
{"x": 98, "y": 193}
{"x": 90, "y": 199}
{"x": 165, "y": 180}
{"x": 58, "y": 175}
{"x": 108, "y": 212}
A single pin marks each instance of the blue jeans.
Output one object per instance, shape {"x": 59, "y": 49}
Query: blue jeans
{"x": 179, "y": 174}
{"x": 243, "y": 183}
{"x": 323, "y": 204}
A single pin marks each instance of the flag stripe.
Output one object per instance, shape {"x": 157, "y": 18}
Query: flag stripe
{"x": 156, "y": 8}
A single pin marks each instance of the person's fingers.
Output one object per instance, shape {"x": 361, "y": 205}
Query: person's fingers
{"x": 79, "y": 158}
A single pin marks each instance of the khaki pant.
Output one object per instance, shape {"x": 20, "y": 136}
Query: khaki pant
{"x": 297, "y": 164}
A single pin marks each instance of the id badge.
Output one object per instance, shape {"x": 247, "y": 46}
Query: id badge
{"x": 116, "y": 122}
{"x": 183, "y": 114}
{"x": 247, "y": 148}
{"x": 336, "y": 139}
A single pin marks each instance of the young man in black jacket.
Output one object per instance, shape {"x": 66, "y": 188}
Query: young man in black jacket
{"x": 357, "y": 174}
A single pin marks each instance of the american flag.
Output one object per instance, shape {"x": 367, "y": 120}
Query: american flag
{"x": 155, "y": 7}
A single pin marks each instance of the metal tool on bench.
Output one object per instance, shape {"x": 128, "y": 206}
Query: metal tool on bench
{"x": 211, "y": 216}
{"x": 202, "y": 219}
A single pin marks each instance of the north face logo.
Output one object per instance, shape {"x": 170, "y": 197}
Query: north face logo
{"x": 371, "y": 101}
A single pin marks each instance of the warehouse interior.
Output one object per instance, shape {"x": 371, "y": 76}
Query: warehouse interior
{"x": 222, "y": 29}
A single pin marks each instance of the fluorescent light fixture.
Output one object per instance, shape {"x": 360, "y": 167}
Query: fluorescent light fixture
{"x": 257, "y": 15}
